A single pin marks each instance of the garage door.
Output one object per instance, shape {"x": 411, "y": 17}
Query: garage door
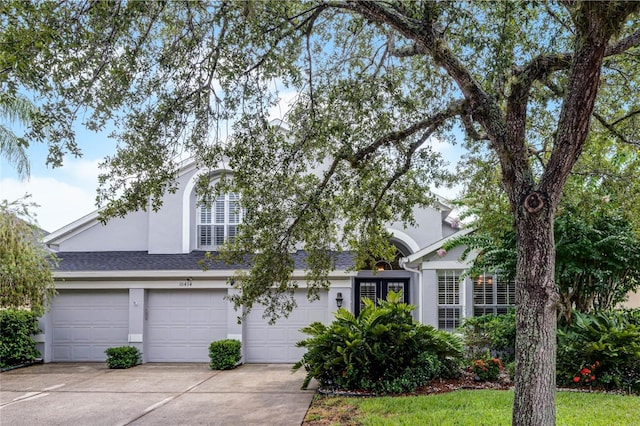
{"x": 85, "y": 323}
{"x": 277, "y": 343}
{"x": 181, "y": 324}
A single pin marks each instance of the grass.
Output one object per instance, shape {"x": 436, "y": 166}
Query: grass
{"x": 471, "y": 407}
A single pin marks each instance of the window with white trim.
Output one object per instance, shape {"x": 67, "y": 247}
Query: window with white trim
{"x": 449, "y": 307}
{"x": 218, "y": 223}
{"x": 492, "y": 295}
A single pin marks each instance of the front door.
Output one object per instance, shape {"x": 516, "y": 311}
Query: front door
{"x": 377, "y": 288}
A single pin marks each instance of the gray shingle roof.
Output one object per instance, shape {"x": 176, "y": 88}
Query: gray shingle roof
{"x": 143, "y": 261}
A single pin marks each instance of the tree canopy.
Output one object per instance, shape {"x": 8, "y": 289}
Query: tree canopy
{"x": 375, "y": 81}
{"x": 597, "y": 228}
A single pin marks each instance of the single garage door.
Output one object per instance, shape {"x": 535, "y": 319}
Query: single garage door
{"x": 181, "y": 324}
{"x": 277, "y": 343}
{"x": 85, "y": 323}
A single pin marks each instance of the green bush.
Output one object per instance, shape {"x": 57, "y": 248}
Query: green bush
{"x": 16, "y": 342}
{"x": 511, "y": 370}
{"x": 123, "y": 357}
{"x": 607, "y": 344}
{"x": 493, "y": 333}
{"x": 382, "y": 350}
{"x": 225, "y": 354}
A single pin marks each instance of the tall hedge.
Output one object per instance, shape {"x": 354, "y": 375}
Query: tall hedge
{"x": 16, "y": 342}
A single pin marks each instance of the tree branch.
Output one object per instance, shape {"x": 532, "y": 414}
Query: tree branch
{"x": 456, "y": 108}
{"x": 406, "y": 51}
{"x": 623, "y": 45}
{"x": 629, "y": 115}
{"x": 543, "y": 65}
{"x": 612, "y": 129}
{"x": 402, "y": 170}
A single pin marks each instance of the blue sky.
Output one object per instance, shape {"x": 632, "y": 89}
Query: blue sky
{"x": 67, "y": 193}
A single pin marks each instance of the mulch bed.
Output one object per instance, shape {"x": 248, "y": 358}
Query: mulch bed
{"x": 465, "y": 381}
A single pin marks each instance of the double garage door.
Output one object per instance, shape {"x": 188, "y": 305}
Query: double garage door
{"x": 178, "y": 326}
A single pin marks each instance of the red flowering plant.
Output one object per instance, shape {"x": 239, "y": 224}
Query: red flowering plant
{"x": 486, "y": 369}
{"x": 586, "y": 376}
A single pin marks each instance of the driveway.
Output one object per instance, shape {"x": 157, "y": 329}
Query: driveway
{"x": 152, "y": 394}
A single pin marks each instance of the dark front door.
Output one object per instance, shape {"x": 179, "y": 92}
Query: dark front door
{"x": 377, "y": 288}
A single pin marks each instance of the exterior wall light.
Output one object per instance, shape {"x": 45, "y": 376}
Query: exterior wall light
{"x": 339, "y": 300}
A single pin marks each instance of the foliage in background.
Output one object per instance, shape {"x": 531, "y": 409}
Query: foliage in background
{"x": 609, "y": 341}
{"x": 597, "y": 261}
{"x": 382, "y": 350}
{"x": 225, "y": 354}
{"x": 123, "y": 357}
{"x": 597, "y": 258}
{"x": 493, "y": 333}
{"x": 26, "y": 278}
{"x": 17, "y": 328}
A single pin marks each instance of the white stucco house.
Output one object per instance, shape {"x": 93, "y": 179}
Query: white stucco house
{"x": 137, "y": 281}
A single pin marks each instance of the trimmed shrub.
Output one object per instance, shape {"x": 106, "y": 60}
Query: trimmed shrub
{"x": 123, "y": 357}
{"x": 601, "y": 349}
{"x": 16, "y": 342}
{"x": 382, "y": 350}
{"x": 225, "y": 354}
{"x": 493, "y": 333}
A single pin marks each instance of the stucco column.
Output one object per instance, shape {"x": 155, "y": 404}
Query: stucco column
{"x": 430, "y": 297}
{"x": 45, "y": 337}
{"x": 235, "y": 330}
{"x": 468, "y": 297}
{"x": 137, "y": 308}
{"x": 339, "y": 289}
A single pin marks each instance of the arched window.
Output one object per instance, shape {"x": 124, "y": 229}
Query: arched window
{"x": 218, "y": 223}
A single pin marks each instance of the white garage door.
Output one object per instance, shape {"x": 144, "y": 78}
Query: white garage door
{"x": 181, "y": 324}
{"x": 85, "y": 323}
{"x": 277, "y": 343}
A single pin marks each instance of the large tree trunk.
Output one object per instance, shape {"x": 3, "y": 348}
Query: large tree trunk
{"x": 536, "y": 312}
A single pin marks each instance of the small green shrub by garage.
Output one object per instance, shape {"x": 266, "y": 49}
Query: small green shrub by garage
{"x": 225, "y": 354}
{"x": 123, "y": 357}
{"x": 16, "y": 342}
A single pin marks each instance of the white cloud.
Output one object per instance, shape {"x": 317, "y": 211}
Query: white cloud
{"x": 65, "y": 195}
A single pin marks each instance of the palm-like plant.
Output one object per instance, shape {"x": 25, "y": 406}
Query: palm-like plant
{"x": 382, "y": 350}
{"x": 15, "y": 110}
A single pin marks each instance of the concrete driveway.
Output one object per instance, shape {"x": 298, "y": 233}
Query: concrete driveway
{"x": 152, "y": 394}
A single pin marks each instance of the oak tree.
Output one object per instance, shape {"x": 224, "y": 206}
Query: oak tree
{"x": 374, "y": 83}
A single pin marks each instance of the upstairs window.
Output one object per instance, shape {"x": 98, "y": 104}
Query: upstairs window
{"x": 218, "y": 223}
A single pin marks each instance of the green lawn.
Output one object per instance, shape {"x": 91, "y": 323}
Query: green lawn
{"x": 476, "y": 407}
